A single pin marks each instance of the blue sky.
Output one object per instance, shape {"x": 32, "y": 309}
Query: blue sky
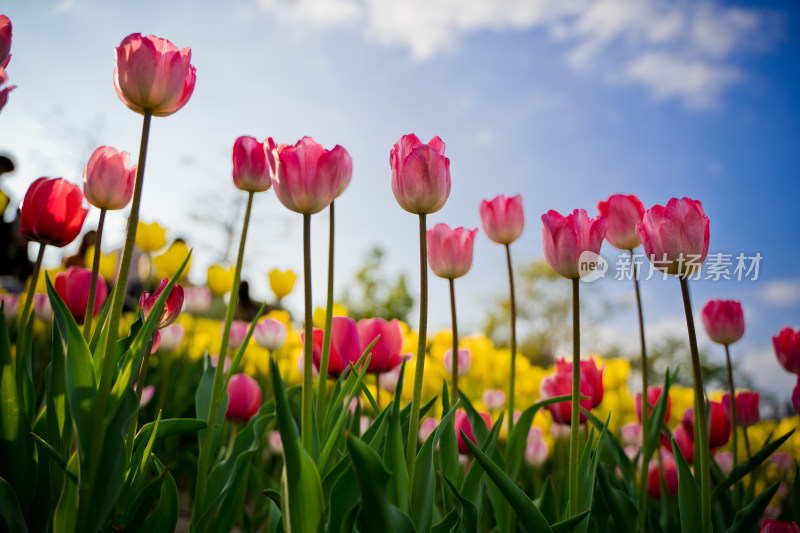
{"x": 562, "y": 102}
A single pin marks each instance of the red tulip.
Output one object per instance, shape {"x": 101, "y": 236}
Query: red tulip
{"x": 251, "y": 170}
{"x": 560, "y": 383}
{"x": 152, "y": 73}
{"x": 719, "y": 430}
{"x": 345, "y": 345}
{"x": 724, "y": 321}
{"x": 771, "y": 525}
{"x": 462, "y": 424}
{"x": 387, "y": 352}
{"x": 306, "y": 176}
{"x": 787, "y": 349}
{"x": 670, "y": 478}
{"x": 746, "y": 407}
{"x": 4, "y": 92}
{"x": 172, "y": 305}
{"x": 52, "y": 212}
{"x": 653, "y": 396}
{"x": 675, "y": 237}
{"x": 5, "y": 39}
{"x": 589, "y": 373}
{"x": 450, "y": 250}
{"x": 684, "y": 440}
{"x": 796, "y": 397}
{"x": 566, "y": 238}
{"x": 244, "y": 397}
{"x": 72, "y": 286}
{"x": 108, "y": 178}
{"x": 420, "y": 174}
{"x": 503, "y": 218}
{"x": 623, "y": 212}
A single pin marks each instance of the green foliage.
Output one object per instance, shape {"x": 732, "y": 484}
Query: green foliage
{"x": 374, "y": 295}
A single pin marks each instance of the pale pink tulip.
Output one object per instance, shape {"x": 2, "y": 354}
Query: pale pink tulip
{"x": 238, "y": 333}
{"x": 623, "y": 212}
{"x": 11, "y": 302}
{"x": 42, "y": 308}
{"x": 565, "y": 238}
{"x": 197, "y": 299}
{"x": 172, "y": 336}
{"x": 251, "y": 170}
{"x": 493, "y": 399}
{"x": 270, "y": 334}
{"x": 464, "y": 361}
{"x": 420, "y": 174}
{"x": 108, "y": 178}
{"x": 503, "y": 218}
{"x": 450, "y": 250}
{"x": 536, "y": 452}
{"x": 426, "y": 427}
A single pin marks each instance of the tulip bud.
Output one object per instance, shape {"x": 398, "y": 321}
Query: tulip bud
{"x": 464, "y": 361}
{"x": 724, "y": 462}
{"x": 503, "y": 218}
{"x": 796, "y": 397}
{"x": 420, "y": 174}
{"x": 244, "y": 397}
{"x": 220, "y": 279}
{"x": 251, "y": 170}
{"x": 623, "y": 214}
{"x": 631, "y": 433}
{"x": 345, "y": 345}
{"x": 150, "y": 237}
{"x": 462, "y": 423}
{"x": 719, "y": 424}
{"x": 450, "y": 250}
{"x": 72, "y": 286}
{"x": 387, "y": 351}
{"x": 536, "y": 453}
{"x": 172, "y": 305}
{"x": 565, "y": 238}
{"x": 275, "y": 442}
{"x": 746, "y": 407}
{"x": 52, "y": 212}
{"x": 426, "y": 427}
{"x": 238, "y": 333}
{"x": 724, "y": 321}
{"x": 108, "y": 178}
{"x": 653, "y": 396}
{"x": 270, "y": 334}
{"x": 670, "y": 478}
{"x": 787, "y": 349}
{"x": 281, "y": 283}
{"x": 493, "y": 399}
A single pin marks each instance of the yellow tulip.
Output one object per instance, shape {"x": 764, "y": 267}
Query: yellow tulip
{"x": 151, "y": 237}
{"x": 3, "y": 202}
{"x": 168, "y": 263}
{"x": 108, "y": 263}
{"x": 281, "y": 283}
{"x": 220, "y": 279}
{"x": 41, "y": 286}
{"x": 319, "y": 314}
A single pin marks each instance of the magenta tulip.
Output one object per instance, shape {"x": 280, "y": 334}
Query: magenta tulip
{"x": 306, "y": 176}
{"x": 675, "y": 237}
{"x": 462, "y": 423}
{"x": 153, "y": 74}
{"x": 566, "y": 238}
{"x": 72, "y": 286}
{"x": 559, "y": 384}
{"x": 719, "y": 430}
{"x": 771, "y": 525}
{"x": 387, "y": 352}
{"x": 653, "y": 396}
{"x": 685, "y": 441}
{"x": 724, "y": 321}
{"x": 420, "y": 174}
{"x": 747, "y": 412}
{"x": 450, "y": 250}
{"x": 670, "y": 478}
{"x": 345, "y": 345}
{"x": 244, "y": 397}
{"x": 623, "y": 213}
{"x": 172, "y": 305}
{"x": 270, "y": 334}
{"x": 237, "y": 335}
{"x": 52, "y": 212}
{"x": 108, "y": 179}
{"x": 787, "y": 349}
{"x": 796, "y": 397}
{"x": 5, "y": 39}
{"x": 503, "y": 218}
{"x": 251, "y": 169}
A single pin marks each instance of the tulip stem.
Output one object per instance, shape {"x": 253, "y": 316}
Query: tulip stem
{"x": 322, "y": 391}
{"x": 574, "y": 438}
{"x": 86, "y": 490}
{"x": 378, "y": 390}
{"x": 306, "y": 411}
{"x": 37, "y": 266}
{"x": 454, "y": 358}
{"x": 701, "y": 450}
{"x": 734, "y": 424}
{"x": 413, "y": 421}
{"x": 645, "y": 402}
{"x": 746, "y": 442}
{"x": 219, "y": 378}
{"x": 513, "y": 306}
{"x": 87, "y": 320}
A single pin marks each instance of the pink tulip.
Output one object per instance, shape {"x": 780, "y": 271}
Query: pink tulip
{"x": 589, "y": 373}
{"x": 5, "y": 39}
{"x": 724, "y": 321}
{"x": 270, "y": 334}
{"x": 685, "y": 442}
{"x": 275, "y": 442}
{"x": 566, "y": 238}
{"x": 226, "y": 363}
{"x": 147, "y": 394}
{"x": 172, "y": 337}
{"x": 153, "y": 74}
{"x": 462, "y": 423}
{"x": 493, "y": 399}
{"x": 52, "y": 212}
{"x": 172, "y": 305}
{"x": 670, "y": 478}
{"x": 623, "y": 213}
{"x": 108, "y": 179}
{"x": 197, "y": 299}
{"x": 251, "y": 170}
{"x": 306, "y": 176}
{"x": 11, "y": 302}
{"x": 450, "y": 250}
{"x": 719, "y": 430}
{"x": 503, "y": 218}
{"x": 72, "y": 286}
{"x": 388, "y": 380}
{"x": 238, "y": 333}
{"x": 387, "y": 352}
{"x": 464, "y": 361}
{"x": 244, "y": 397}
{"x": 796, "y": 397}
{"x": 536, "y": 452}
{"x": 746, "y": 407}
{"x": 653, "y": 396}
{"x": 156, "y": 343}
{"x": 783, "y": 461}
{"x": 787, "y": 349}
{"x": 724, "y": 462}
{"x": 631, "y": 434}
{"x": 675, "y": 237}
{"x": 4, "y": 92}
{"x": 771, "y": 525}
{"x": 426, "y": 427}
{"x": 420, "y": 174}
{"x": 42, "y": 308}
{"x": 345, "y": 345}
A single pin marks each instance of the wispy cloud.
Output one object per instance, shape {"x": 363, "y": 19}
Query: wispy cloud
{"x": 689, "y": 51}
{"x": 781, "y": 292}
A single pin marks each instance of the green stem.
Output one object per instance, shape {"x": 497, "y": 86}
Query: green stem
{"x": 701, "y": 450}
{"x": 413, "y": 421}
{"x": 86, "y": 490}
{"x": 37, "y": 266}
{"x": 322, "y": 390}
{"x": 734, "y": 425}
{"x": 87, "y": 320}
{"x": 746, "y": 442}
{"x": 454, "y": 359}
{"x": 377, "y": 390}
{"x": 219, "y": 378}
{"x": 513, "y": 305}
{"x": 645, "y": 403}
{"x": 574, "y": 442}
{"x": 306, "y": 421}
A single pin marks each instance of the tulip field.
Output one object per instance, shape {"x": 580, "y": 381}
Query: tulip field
{"x": 127, "y": 403}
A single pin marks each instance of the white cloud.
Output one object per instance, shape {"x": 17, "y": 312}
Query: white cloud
{"x": 781, "y": 292}
{"x": 683, "y": 50}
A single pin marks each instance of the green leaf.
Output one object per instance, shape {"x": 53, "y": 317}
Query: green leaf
{"x": 59, "y": 459}
{"x": 141, "y": 505}
{"x": 10, "y": 511}
{"x": 449, "y": 523}
{"x": 796, "y": 495}
{"x": 24, "y": 370}
{"x": 344, "y": 499}
{"x": 750, "y": 464}
{"x": 655, "y": 421}
{"x": 394, "y": 452}
{"x": 164, "y": 517}
{"x": 620, "y": 506}
{"x": 747, "y": 519}
{"x": 57, "y": 414}
{"x": 169, "y": 427}
{"x": 587, "y": 473}
{"x": 99, "y": 335}
{"x": 688, "y": 493}
{"x": 448, "y": 448}
{"x": 473, "y": 481}
{"x": 518, "y": 438}
{"x": 529, "y": 516}
{"x": 467, "y": 512}
{"x": 203, "y": 402}
{"x": 568, "y": 525}
{"x": 621, "y": 459}
{"x": 273, "y": 495}
{"x": 546, "y": 502}
{"x": 66, "y": 512}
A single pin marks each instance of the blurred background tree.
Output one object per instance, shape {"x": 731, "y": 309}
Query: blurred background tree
{"x": 374, "y": 294}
